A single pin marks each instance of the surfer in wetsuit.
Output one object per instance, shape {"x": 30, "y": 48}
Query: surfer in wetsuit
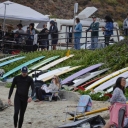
{"x": 22, "y": 82}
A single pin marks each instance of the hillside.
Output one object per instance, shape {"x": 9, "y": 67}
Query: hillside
{"x": 64, "y": 8}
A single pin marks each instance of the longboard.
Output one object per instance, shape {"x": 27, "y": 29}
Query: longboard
{"x": 11, "y": 61}
{"x": 106, "y": 78}
{"x": 63, "y": 72}
{"x": 52, "y": 64}
{"x": 20, "y": 66}
{"x": 52, "y": 73}
{"x": 5, "y": 58}
{"x": 110, "y": 82}
{"x": 41, "y": 64}
{"x": 81, "y": 72}
{"x": 92, "y": 75}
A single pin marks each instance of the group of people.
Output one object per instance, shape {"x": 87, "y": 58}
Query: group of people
{"x": 29, "y": 37}
{"x": 94, "y": 29}
{"x": 23, "y": 82}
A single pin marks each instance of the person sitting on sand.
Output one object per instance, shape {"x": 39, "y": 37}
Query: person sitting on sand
{"x": 44, "y": 90}
{"x": 118, "y": 97}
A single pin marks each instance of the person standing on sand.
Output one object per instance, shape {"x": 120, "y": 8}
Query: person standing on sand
{"x": 22, "y": 82}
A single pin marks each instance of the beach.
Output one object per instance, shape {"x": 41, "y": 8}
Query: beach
{"x": 45, "y": 115}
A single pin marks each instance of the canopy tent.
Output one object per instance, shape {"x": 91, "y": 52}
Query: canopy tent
{"x": 21, "y": 13}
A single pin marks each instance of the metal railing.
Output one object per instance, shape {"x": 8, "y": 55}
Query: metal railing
{"x": 12, "y": 44}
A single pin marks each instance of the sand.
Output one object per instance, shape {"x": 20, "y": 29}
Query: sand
{"x": 45, "y": 115}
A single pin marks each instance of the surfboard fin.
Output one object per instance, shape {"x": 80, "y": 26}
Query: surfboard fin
{"x": 68, "y": 53}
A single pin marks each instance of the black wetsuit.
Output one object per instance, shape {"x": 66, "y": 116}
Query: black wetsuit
{"x": 21, "y": 96}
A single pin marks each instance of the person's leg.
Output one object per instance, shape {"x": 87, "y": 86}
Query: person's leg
{"x": 107, "y": 38}
{"x": 75, "y": 43}
{"x": 95, "y": 42}
{"x": 17, "y": 106}
{"x": 78, "y": 43}
{"x": 47, "y": 44}
{"x": 22, "y": 112}
{"x": 40, "y": 94}
{"x": 92, "y": 43}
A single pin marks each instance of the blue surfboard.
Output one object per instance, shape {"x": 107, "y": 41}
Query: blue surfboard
{"x": 10, "y": 61}
{"x": 20, "y": 66}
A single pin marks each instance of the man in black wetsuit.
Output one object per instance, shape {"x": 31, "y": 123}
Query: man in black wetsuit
{"x": 22, "y": 82}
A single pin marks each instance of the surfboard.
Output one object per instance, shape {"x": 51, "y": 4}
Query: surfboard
{"x": 5, "y": 58}
{"x": 20, "y": 66}
{"x": 52, "y": 64}
{"x": 41, "y": 64}
{"x": 106, "y": 78}
{"x": 91, "y": 75}
{"x": 52, "y": 73}
{"x": 87, "y": 83}
{"x": 110, "y": 82}
{"x": 90, "y": 113}
{"x": 11, "y": 61}
{"x": 81, "y": 72}
{"x": 60, "y": 73}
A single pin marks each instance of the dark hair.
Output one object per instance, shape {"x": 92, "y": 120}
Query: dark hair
{"x": 118, "y": 84}
{"x": 20, "y": 25}
{"x": 32, "y": 24}
{"x": 108, "y": 19}
{"x": 77, "y": 20}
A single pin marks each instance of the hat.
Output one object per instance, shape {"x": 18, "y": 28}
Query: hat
{"x": 93, "y": 16}
{"x": 24, "y": 69}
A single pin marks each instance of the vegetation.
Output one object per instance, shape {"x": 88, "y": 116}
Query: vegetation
{"x": 114, "y": 56}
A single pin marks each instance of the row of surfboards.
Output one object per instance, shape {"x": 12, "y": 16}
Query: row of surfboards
{"x": 81, "y": 79}
{"x": 102, "y": 84}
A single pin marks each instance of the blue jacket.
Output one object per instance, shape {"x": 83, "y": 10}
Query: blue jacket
{"x": 109, "y": 29}
{"x": 78, "y": 30}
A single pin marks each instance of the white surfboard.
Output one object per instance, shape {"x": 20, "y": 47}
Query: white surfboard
{"x": 54, "y": 63}
{"x": 60, "y": 73}
{"x": 110, "y": 82}
{"x": 95, "y": 84}
{"x": 52, "y": 73}
{"x": 110, "y": 89}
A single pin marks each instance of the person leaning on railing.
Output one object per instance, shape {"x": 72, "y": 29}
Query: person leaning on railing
{"x": 29, "y": 42}
{"x": 77, "y": 34}
{"x": 108, "y": 29}
{"x": 94, "y": 29}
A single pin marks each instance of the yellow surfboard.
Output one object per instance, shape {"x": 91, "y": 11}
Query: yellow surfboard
{"x": 106, "y": 78}
{"x": 89, "y": 113}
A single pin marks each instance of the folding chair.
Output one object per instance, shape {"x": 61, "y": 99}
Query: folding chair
{"x": 55, "y": 93}
{"x": 84, "y": 105}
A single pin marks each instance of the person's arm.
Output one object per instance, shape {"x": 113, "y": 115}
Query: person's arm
{"x": 12, "y": 88}
{"x": 109, "y": 27}
{"x": 54, "y": 30}
{"x": 115, "y": 96}
{"x": 78, "y": 28}
{"x": 90, "y": 27}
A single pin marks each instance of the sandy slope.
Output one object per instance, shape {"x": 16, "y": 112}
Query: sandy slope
{"x": 46, "y": 115}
